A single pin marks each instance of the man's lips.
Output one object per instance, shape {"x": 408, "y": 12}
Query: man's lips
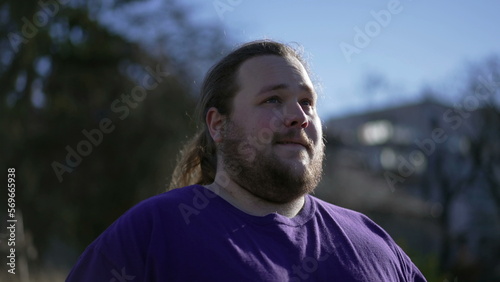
{"x": 293, "y": 139}
{"x": 293, "y": 142}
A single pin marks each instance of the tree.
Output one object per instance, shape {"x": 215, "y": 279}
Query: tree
{"x": 465, "y": 173}
{"x": 91, "y": 119}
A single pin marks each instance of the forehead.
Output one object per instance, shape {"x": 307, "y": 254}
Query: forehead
{"x": 270, "y": 70}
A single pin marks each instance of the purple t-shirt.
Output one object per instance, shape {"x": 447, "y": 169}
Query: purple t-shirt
{"x": 191, "y": 234}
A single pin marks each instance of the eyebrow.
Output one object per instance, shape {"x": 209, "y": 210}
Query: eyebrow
{"x": 285, "y": 86}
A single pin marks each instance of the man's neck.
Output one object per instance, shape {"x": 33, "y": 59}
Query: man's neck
{"x": 251, "y": 204}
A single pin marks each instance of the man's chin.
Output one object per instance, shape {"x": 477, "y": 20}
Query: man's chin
{"x": 280, "y": 194}
{"x": 294, "y": 167}
{"x": 280, "y": 183}
{"x": 292, "y": 152}
{"x": 283, "y": 199}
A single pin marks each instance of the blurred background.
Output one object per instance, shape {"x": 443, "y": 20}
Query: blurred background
{"x": 97, "y": 97}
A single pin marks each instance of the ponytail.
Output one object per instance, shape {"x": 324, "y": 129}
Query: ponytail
{"x": 197, "y": 162}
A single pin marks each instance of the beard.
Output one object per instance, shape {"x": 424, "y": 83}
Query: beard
{"x": 257, "y": 169}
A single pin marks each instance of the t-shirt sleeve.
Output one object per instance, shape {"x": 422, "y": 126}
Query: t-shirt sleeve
{"x": 119, "y": 253}
{"x": 409, "y": 268}
{"x": 92, "y": 266}
{"x": 373, "y": 245}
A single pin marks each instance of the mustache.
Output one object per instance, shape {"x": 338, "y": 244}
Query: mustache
{"x": 295, "y": 136}
{"x": 231, "y": 131}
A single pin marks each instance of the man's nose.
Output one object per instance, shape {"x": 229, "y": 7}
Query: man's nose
{"x": 295, "y": 116}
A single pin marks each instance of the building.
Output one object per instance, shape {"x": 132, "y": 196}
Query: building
{"x": 411, "y": 168}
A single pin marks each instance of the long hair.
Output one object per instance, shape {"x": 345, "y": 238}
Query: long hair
{"x": 197, "y": 161}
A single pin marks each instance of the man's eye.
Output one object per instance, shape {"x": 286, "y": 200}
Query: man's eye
{"x": 273, "y": 100}
{"x": 306, "y": 102}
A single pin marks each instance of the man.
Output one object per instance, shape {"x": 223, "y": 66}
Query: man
{"x": 249, "y": 217}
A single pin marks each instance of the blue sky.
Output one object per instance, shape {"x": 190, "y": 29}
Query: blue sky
{"x": 423, "y": 43}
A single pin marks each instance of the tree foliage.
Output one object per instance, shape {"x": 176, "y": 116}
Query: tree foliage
{"x": 466, "y": 174}
{"x": 67, "y": 74}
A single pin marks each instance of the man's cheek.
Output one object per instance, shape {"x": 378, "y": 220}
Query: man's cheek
{"x": 274, "y": 123}
{"x": 317, "y": 130}
{"x": 247, "y": 151}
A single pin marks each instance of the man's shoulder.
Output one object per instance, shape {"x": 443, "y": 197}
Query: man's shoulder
{"x": 157, "y": 209}
{"x": 153, "y": 212}
{"x": 177, "y": 195}
{"x": 347, "y": 218}
{"x": 169, "y": 201}
{"x": 354, "y": 232}
{"x": 323, "y": 206}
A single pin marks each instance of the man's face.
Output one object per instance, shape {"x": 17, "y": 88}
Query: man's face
{"x": 272, "y": 143}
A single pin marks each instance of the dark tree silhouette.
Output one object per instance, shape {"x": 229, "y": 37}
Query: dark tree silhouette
{"x": 92, "y": 118}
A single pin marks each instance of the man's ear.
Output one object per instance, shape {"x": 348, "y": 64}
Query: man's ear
{"x": 215, "y": 123}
